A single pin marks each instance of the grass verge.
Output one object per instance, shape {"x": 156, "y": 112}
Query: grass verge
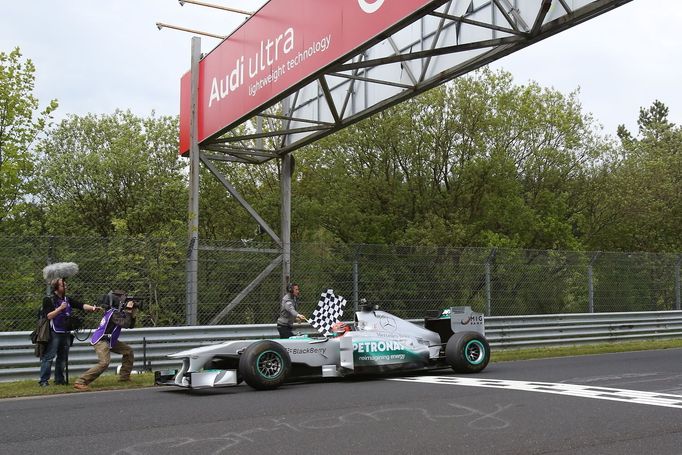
{"x": 110, "y": 382}
{"x": 29, "y": 388}
{"x": 505, "y": 355}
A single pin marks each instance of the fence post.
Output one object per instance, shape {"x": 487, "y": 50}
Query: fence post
{"x": 590, "y": 284}
{"x": 356, "y": 279}
{"x": 488, "y": 292}
{"x": 50, "y": 260}
{"x": 192, "y": 264}
{"x": 678, "y": 306}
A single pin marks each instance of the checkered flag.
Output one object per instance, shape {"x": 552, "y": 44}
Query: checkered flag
{"x": 329, "y": 310}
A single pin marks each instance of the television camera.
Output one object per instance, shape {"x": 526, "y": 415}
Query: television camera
{"x": 119, "y": 300}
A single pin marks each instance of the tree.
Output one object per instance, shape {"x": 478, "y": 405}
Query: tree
{"x": 113, "y": 174}
{"x": 20, "y": 126}
{"x": 222, "y": 217}
{"x": 639, "y": 201}
{"x": 478, "y": 162}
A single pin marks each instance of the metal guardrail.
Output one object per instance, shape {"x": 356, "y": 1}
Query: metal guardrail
{"x": 581, "y": 328}
{"x": 152, "y": 345}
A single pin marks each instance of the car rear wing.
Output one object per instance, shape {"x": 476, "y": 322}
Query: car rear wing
{"x": 464, "y": 319}
{"x": 455, "y": 319}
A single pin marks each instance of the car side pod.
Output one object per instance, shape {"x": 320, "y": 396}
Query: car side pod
{"x": 346, "y": 365}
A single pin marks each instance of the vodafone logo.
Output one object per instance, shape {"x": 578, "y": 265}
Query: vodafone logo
{"x": 370, "y": 6}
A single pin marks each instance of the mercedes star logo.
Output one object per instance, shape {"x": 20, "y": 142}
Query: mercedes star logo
{"x": 388, "y": 324}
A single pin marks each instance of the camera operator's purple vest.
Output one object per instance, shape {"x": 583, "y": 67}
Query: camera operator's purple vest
{"x": 100, "y": 331}
{"x": 59, "y": 321}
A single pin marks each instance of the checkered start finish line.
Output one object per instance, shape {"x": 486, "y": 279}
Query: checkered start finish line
{"x": 328, "y": 312}
{"x": 599, "y": 393}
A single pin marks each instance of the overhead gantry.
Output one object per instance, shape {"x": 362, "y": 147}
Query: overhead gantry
{"x": 290, "y": 76}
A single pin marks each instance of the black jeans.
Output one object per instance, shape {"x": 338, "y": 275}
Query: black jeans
{"x": 285, "y": 331}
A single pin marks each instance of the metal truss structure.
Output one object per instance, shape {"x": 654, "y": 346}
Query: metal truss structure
{"x": 438, "y": 44}
{"x": 452, "y": 39}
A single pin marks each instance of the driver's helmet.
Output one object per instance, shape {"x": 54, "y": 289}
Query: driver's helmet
{"x": 340, "y": 328}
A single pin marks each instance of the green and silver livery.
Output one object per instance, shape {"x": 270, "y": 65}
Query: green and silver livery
{"x": 377, "y": 342}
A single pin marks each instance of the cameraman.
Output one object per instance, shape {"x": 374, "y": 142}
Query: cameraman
{"x": 120, "y": 313}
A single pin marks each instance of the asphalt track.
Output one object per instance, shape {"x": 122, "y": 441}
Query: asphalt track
{"x": 627, "y": 403}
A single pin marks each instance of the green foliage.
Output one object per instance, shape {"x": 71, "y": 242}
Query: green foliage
{"x": 20, "y": 126}
{"x": 222, "y": 217}
{"x": 478, "y": 175}
{"x": 478, "y": 162}
{"x": 152, "y": 269}
{"x": 627, "y": 282}
{"x": 637, "y": 207}
{"x": 20, "y": 295}
{"x": 112, "y": 175}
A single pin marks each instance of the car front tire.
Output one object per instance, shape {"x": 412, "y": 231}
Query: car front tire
{"x": 264, "y": 365}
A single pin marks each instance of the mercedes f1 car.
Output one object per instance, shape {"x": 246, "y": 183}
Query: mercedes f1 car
{"x": 376, "y": 342}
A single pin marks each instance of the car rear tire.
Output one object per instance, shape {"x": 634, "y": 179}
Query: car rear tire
{"x": 467, "y": 352}
{"x": 264, "y": 365}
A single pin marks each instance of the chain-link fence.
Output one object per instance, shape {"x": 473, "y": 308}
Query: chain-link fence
{"x": 406, "y": 280}
{"x": 151, "y": 268}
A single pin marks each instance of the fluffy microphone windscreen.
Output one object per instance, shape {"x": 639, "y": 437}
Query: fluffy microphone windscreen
{"x": 60, "y": 270}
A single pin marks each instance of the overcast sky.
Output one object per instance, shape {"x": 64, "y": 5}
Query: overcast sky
{"x": 94, "y": 56}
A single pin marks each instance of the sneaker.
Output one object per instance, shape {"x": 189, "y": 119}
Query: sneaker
{"x": 80, "y": 386}
{"x": 61, "y": 383}
{"x": 43, "y": 384}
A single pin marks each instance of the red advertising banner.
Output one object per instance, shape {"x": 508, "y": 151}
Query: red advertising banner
{"x": 285, "y": 42}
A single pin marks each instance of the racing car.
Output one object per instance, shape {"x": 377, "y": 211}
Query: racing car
{"x": 376, "y": 342}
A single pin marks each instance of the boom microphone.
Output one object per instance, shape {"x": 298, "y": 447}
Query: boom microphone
{"x": 60, "y": 270}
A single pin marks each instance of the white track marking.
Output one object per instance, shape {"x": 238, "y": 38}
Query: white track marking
{"x": 584, "y": 391}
